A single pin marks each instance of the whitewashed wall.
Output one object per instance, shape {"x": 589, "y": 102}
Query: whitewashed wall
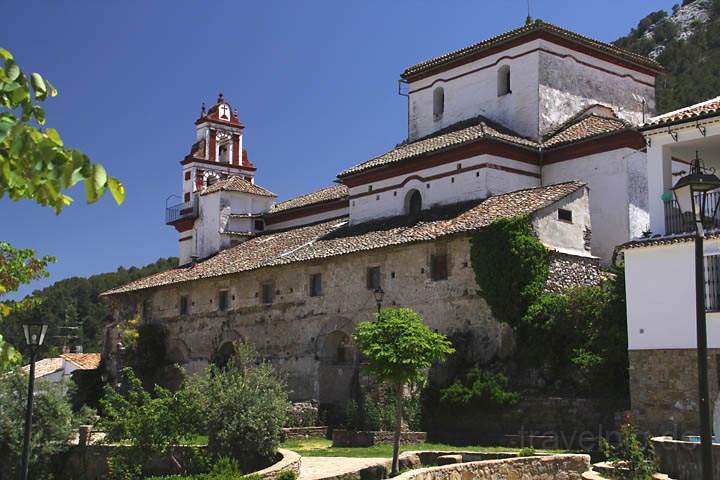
{"x": 660, "y": 286}
{"x": 468, "y": 185}
{"x": 309, "y": 219}
{"x": 561, "y": 235}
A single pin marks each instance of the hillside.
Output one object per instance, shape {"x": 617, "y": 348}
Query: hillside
{"x": 686, "y": 42}
{"x": 74, "y": 302}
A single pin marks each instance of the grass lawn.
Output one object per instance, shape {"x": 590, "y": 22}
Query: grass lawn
{"x": 320, "y": 447}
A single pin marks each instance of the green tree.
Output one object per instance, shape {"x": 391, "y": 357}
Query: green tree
{"x": 35, "y": 165}
{"x": 399, "y": 350}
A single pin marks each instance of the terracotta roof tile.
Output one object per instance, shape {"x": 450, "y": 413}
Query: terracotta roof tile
{"x": 536, "y": 26}
{"x": 462, "y": 132}
{"x": 84, "y": 361}
{"x": 702, "y": 109}
{"x": 46, "y": 366}
{"x": 584, "y": 126}
{"x": 235, "y": 183}
{"x": 326, "y": 194}
{"x": 336, "y": 237}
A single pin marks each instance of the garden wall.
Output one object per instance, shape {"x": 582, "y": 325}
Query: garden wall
{"x": 298, "y": 433}
{"x": 352, "y": 438}
{"x": 681, "y": 460}
{"x": 553, "y": 422}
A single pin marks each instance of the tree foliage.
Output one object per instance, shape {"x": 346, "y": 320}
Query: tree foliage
{"x": 511, "y": 267}
{"x": 479, "y": 388}
{"x": 399, "y": 350}
{"x": 34, "y": 163}
{"x": 53, "y": 425}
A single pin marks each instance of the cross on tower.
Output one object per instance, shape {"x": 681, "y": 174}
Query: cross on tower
{"x": 224, "y": 111}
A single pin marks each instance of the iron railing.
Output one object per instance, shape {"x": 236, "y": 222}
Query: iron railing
{"x": 712, "y": 283}
{"x": 181, "y": 211}
{"x": 676, "y": 223}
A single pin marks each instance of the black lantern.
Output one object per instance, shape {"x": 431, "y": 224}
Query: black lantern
{"x": 379, "y": 294}
{"x": 34, "y": 337}
{"x": 692, "y": 194}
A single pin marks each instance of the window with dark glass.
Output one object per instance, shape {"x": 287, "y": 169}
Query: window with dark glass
{"x": 268, "y": 292}
{"x": 438, "y": 267}
{"x": 259, "y": 225}
{"x": 184, "y": 304}
{"x": 315, "y": 285}
{"x": 564, "y": 215}
{"x": 373, "y": 278}
{"x": 223, "y": 300}
{"x": 187, "y": 175}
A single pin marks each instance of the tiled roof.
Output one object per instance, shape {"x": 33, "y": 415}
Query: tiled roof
{"x": 84, "y": 361}
{"x": 536, "y": 26}
{"x": 587, "y": 124}
{"x": 326, "y": 194}
{"x": 462, "y": 132}
{"x": 702, "y": 109}
{"x": 46, "y": 366}
{"x": 658, "y": 240}
{"x": 235, "y": 183}
{"x": 336, "y": 237}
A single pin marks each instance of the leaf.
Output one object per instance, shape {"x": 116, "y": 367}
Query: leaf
{"x": 54, "y": 136}
{"x": 51, "y": 88}
{"x": 5, "y": 54}
{"x": 38, "y": 85}
{"x": 12, "y": 70}
{"x": 99, "y": 176}
{"x": 117, "y": 189}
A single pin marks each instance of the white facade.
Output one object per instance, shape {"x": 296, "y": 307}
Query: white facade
{"x": 549, "y": 83}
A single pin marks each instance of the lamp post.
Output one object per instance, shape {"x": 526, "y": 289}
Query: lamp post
{"x": 379, "y": 294}
{"x": 691, "y": 194}
{"x": 34, "y": 336}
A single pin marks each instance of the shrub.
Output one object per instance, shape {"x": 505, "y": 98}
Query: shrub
{"x": 53, "y": 425}
{"x": 286, "y": 475}
{"x": 244, "y": 407}
{"x": 479, "y": 388}
{"x": 632, "y": 460}
{"x": 527, "y": 452}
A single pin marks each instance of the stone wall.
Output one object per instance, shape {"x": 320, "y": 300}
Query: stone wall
{"x": 569, "y": 467}
{"x": 352, "y": 438}
{"x": 681, "y": 460}
{"x": 664, "y": 389}
{"x": 568, "y": 271}
{"x": 541, "y": 422}
{"x": 298, "y": 433}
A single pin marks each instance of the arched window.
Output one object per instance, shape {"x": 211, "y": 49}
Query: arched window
{"x": 504, "y": 80}
{"x": 223, "y": 154}
{"x": 413, "y": 203}
{"x": 438, "y": 103}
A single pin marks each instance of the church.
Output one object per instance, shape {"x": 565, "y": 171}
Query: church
{"x": 538, "y": 121}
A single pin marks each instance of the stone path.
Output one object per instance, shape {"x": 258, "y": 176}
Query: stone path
{"x": 316, "y": 468}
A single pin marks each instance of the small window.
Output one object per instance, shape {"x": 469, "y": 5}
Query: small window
{"x": 186, "y": 197}
{"x": 223, "y": 300}
{"x": 268, "y": 292}
{"x": 184, "y": 304}
{"x": 259, "y": 225}
{"x": 373, "y": 278}
{"x": 223, "y": 156}
{"x": 315, "y": 285}
{"x": 438, "y": 267}
{"x": 438, "y": 102}
{"x": 187, "y": 175}
{"x": 504, "y": 81}
{"x": 565, "y": 215}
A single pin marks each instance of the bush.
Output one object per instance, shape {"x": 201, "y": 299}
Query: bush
{"x": 632, "y": 460}
{"x": 479, "y": 388}
{"x": 527, "y": 452}
{"x": 244, "y": 407}
{"x": 286, "y": 475}
{"x": 53, "y": 425}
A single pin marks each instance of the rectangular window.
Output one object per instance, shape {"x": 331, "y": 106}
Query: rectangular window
{"x": 183, "y": 304}
{"x": 223, "y": 300}
{"x": 187, "y": 175}
{"x": 712, "y": 283}
{"x": 438, "y": 267}
{"x": 565, "y": 215}
{"x": 315, "y": 285}
{"x": 259, "y": 225}
{"x": 373, "y": 278}
{"x": 186, "y": 197}
{"x": 268, "y": 292}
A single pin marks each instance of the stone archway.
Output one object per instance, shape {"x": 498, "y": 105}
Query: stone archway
{"x": 338, "y": 365}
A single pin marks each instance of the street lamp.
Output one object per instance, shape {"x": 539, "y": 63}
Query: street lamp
{"x": 34, "y": 336}
{"x": 692, "y": 196}
{"x": 379, "y": 294}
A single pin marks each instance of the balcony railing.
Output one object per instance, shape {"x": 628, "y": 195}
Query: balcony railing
{"x": 181, "y": 211}
{"x": 675, "y": 223}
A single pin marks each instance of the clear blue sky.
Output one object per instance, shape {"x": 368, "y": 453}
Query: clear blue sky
{"x": 314, "y": 82}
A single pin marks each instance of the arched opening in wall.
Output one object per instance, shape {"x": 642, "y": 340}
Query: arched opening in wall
{"x": 223, "y": 355}
{"x": 413, "y": 204}
{"x": 438, "y": 102}
{"x": 211, "y": 179}
{"x": 503, "y": 82}
{"x": 338, "y": 365}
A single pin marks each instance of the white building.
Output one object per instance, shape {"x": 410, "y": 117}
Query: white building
{"x": 59, "y": 369}
{"x": 660, "y": 277}
{"x": 534, "y": 106}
